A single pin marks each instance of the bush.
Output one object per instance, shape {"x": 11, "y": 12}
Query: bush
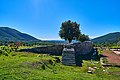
{"x": 57, "y": 60}
{"x": 51, "y": 62}
{"x": 5, "y": 50}
{"x": 43, "y": 67}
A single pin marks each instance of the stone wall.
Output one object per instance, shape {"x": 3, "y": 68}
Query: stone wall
{"x": 53, "y": 50}
{"x": 83, "y": 48}
{"x": 72, "y": 52}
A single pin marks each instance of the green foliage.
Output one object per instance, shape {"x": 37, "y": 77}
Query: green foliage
{"x": 57, "y": 59}
{"x": 5, "y": 50}
{"x": 43, "y": 66}
{"x": 104, "y": 60}
{"x": 83, "y": 37}
{"x": 69, "y": 31}
{"x": 115, "y": 46}
{"x": 51, "y": 62}
{"x": 100, "y": 50}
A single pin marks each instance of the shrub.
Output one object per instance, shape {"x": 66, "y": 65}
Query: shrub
{"x": 43, "y": 67}
{"x": 57, "y": 60}
{"x": 5, "y": 50}
{"x": 51, "y": 62}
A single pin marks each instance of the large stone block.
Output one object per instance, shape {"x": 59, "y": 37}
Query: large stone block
{"x": 83, "y": 48}
{"x": 68, "y": 56}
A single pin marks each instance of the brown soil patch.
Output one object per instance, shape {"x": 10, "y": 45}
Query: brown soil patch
{"x": 112, "y": 57}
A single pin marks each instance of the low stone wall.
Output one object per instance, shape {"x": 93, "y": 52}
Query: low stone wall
{"x": 53, "y": 50}
{"x": 72, "y": 54}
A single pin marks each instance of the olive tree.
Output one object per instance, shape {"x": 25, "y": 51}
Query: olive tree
{"x": 69, "y": 31}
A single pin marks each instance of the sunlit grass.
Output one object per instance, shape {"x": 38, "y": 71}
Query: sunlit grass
{"x": 24, "y": 65}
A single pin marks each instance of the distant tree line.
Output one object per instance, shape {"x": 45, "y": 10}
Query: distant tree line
{"x": 107, "y": 44}
{"x": 28, "y": 43}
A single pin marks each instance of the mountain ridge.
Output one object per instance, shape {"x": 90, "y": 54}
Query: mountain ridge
{"x": 10, "y": 34}
{"x": 109, "y": 38}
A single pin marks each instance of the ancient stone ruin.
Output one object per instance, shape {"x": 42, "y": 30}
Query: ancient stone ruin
{"x": 68, "y": 55}
{"x": 71, "y": 54}
{"x": 52, "y": 50}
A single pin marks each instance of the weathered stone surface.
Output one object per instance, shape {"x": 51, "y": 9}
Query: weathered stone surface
{"x": 83, "y": 48}
{"x": 72, "y": 51}
{"x": 55, "y": 49}
{"x": 80, "y": 48}
{"x": 68, "y": 52}
{"x": 68, "y": 56}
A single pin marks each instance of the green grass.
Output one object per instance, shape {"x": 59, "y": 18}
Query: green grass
{"x": 29, "y": 66}
{"x": 115, "y": 46}
{"x": 25, "y": 47}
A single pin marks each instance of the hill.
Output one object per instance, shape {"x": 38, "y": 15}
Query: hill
{"x": 108, "y": 38}
{"x": 9, "y": 34}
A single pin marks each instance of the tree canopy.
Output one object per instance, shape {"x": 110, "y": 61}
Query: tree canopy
{"x": 70, "y": 31}
{"x": 83, "y": 37}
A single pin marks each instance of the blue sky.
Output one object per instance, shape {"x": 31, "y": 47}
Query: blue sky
{"x": 42, "y": 18}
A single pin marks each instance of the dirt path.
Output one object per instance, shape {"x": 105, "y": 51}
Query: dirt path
{"x": 112, "y": 57}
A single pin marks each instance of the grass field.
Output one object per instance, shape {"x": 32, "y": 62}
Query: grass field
{"x": 30, "y": 66}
